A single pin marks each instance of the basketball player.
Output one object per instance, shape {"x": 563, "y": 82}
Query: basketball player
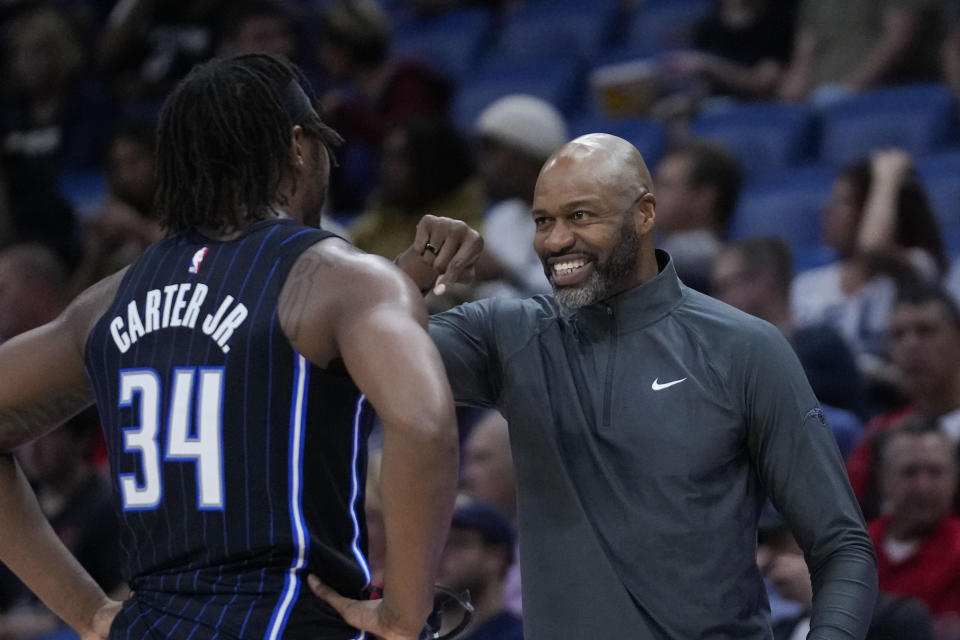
{"x": 235, "y": 366}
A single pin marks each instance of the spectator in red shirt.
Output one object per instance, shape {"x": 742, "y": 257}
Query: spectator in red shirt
{"x": 924, "y": 341}
{"x": 918, "y": 539}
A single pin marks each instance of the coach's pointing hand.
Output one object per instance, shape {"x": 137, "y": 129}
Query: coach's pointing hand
{"x": 444, "y": 251}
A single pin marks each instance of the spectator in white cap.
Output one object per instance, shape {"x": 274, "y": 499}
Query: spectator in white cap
{"x": 517, "y": 133}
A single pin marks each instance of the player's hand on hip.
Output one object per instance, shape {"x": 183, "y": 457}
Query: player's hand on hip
{"x": 448, "y": 248}
{"x": 102, "y": 619}
{"x": 372, "y": 616}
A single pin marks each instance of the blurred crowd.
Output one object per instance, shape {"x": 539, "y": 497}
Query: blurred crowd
{"x": 872, "y": 312}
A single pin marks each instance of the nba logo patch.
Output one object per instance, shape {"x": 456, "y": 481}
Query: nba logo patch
{"x": 197, "y": 260}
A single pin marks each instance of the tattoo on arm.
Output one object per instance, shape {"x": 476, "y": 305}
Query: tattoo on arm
{"x": 297, "y": 291}
{"x": 21, "y": 424}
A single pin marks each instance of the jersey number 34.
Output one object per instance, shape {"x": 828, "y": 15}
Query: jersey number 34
{"x": 202, "y": 444}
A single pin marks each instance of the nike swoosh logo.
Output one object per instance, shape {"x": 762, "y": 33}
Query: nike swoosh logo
{"x": 656, "y": 386}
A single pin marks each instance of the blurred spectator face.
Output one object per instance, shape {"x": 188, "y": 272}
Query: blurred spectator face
{"x": 924, "y": 346}
{"x": 487, "y": 467}
{"x": 734, "y": 12}
{"x": 734, "y": 284}
{"x": 468, "y": 562}
{"x": 396, "y": 169}
{"x": 919, "y": 477}
{"x": 499, "y": 170}
{"x": 31, "y": 288}
{"x": 264, "y": 34}
{"x": 781, "y": 562}
{"x": 132, "y": 173}
{"x": 335, "y": 61}
{"x": 43, "y": 52}
{"x": 841, "y": 216}
{"x": 31, "y": 59}
{"x": 354, "y": 35}
{"x": 680, "y": 206}
{"x": 516, "y": 134}
{"x": 422, "y": 162}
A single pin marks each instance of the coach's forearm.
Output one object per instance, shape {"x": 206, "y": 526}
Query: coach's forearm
{"x": 32, "y": 550}
{"x": 844, "y": 592}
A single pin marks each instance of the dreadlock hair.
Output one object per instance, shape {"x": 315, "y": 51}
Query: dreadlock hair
{"x": 223, "y": 143}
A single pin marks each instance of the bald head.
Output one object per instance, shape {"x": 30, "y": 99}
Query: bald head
{"x": 611, "y": 161}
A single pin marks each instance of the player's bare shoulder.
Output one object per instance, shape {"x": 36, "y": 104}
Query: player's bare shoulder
{"x": 332, "y": 279}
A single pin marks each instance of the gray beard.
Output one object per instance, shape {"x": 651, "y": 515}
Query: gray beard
{"x": 607, "y": 277}
{"x": 589, "y": 292}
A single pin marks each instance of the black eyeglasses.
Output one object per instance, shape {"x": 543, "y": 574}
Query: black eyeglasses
{"x": 450, "y": 609}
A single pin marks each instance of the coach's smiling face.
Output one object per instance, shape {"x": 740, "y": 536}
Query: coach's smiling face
{"x": 593, "y": 219}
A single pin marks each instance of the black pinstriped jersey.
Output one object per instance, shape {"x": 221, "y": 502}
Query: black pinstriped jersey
{"x": 237, "y": 465}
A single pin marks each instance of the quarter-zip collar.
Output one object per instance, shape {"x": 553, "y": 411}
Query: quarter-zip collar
{"x": 637, "y": 307}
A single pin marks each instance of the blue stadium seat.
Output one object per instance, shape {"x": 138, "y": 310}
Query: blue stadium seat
{"x": 951, "y": 241}
{"x": 556, "y": 81}
{"x": 544, "y": 7}
{"x": 766, "y": 137}
{"x": 648, "y": 136}
{"x": 663, "y": 25}
{"x": 449, "y": 42}
{"x": 916, "y": 118}
{"x": 940, "y": 174}
{"x": 565, "y": 30}
{"x": 85, "y": 190}
{"x": 393, "y": 7}
{"x": 807, "y": 257}
{"x": 787, "y": 206}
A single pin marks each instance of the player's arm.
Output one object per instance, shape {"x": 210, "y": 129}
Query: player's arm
{"x": 43, "y": 384}
{"x": 341, "y": 303}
